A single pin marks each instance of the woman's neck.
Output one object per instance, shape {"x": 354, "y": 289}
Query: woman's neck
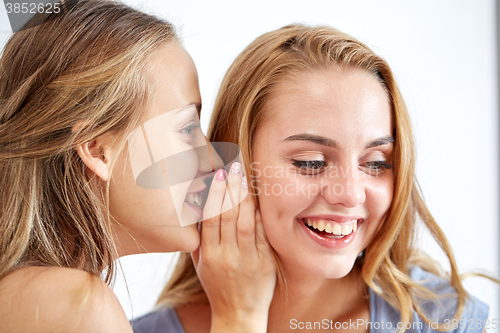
{"x": 315, "y": 299}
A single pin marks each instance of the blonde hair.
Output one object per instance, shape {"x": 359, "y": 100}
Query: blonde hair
{"x": 84, "y": 64}
{"x": 238, "y": 111}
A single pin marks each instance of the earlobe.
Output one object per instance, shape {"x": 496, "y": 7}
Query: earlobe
{"x": 94, "y": 158}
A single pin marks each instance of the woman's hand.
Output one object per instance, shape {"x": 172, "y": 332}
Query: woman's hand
{"x": 235, "y": 262}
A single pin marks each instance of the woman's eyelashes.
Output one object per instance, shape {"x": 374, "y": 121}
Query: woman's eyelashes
{"x": 379, "y": 165}
{"x": 310, "y": 166}
{"x": 373, "y": 168}
{"x": 376, "y": 168}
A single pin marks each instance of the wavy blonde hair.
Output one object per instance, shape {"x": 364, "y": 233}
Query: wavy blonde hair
{"x": 238, "y": 111}
{"x": 83, "y": 64}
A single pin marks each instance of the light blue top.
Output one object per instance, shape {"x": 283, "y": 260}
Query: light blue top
{"x": 383, "y": 317}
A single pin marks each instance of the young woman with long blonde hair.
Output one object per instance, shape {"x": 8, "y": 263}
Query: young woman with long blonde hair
{"x": 327, "y": 141}
{"x": 74, "y": 88}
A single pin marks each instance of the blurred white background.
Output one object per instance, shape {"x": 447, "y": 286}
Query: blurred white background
{"x": 443, "y": 54}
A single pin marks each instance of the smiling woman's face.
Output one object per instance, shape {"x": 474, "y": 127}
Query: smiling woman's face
{"x": 323, "y": 160}
{"x": 149, "y": 217}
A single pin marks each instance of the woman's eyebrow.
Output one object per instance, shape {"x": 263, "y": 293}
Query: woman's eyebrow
{"x": 313, "y": 138}
{"x": 381, "y": 142}
{"x": 196, "y": 104}
{"x": 332, "y": 144}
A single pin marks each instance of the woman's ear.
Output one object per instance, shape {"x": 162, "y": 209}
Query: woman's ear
{"x": 95, "y": 154}
{"x": 94, "y": 157}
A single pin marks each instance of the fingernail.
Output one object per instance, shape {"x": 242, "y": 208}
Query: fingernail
{"x": 221, "y": 174}
{"x": 244, "y": 183}
{"x": 235, "y": 168}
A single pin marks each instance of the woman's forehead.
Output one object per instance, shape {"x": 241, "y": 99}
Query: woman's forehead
{"x": 352, "y": 96}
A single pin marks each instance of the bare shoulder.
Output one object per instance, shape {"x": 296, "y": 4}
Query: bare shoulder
{"x": 44, "y": 299}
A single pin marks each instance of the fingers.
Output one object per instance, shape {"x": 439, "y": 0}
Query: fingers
{"x": 246, "y": 224}
{"x": 261, "y": 241}
{"x": 231, "y": 200}
{"x": 244, "y": 188}
{"x": 230, "y": 207}
{"x": 210, "y": 236}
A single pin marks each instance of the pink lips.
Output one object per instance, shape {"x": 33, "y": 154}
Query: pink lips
{"x": 198, "y": 211}
{"x": 330, "y": 243}
{"x": 334, "y": 218}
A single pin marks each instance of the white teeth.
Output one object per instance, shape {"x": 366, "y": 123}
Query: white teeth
{"x": 321, "y": 225}
{"x": 194, "y": 198}
{"x": 334, "y": 228}
{"x": 197, "y": 199}
{"x": 337, "y": 229}
{"x": 346, "y": 229}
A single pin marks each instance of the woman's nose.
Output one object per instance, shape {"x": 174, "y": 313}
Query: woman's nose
{"x": 344, "y": 187}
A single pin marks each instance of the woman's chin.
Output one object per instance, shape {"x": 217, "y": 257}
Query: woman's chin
{"x": 189, "y": 238}
{"x": 335, "y": 268}
{"x": 335, "y": 273}
{"x": 189, "y": 248}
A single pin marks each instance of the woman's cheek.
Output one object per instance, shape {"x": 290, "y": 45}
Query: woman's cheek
{"x": 285, "y": 197}
{"x": 379, "y": 194}
{"x": 383, "y": 190}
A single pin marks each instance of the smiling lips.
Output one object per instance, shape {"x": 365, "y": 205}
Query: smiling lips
{"x": 332, "y": 229}
{"x": 194, "y": 199}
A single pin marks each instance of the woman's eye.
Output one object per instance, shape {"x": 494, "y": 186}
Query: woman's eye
{"x": 377, "y": 167}
{"x": 310, "y": 166}
{"x": 189, "y": 129}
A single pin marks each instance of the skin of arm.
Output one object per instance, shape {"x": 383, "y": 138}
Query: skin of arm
{"x": 42, "y": 299}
